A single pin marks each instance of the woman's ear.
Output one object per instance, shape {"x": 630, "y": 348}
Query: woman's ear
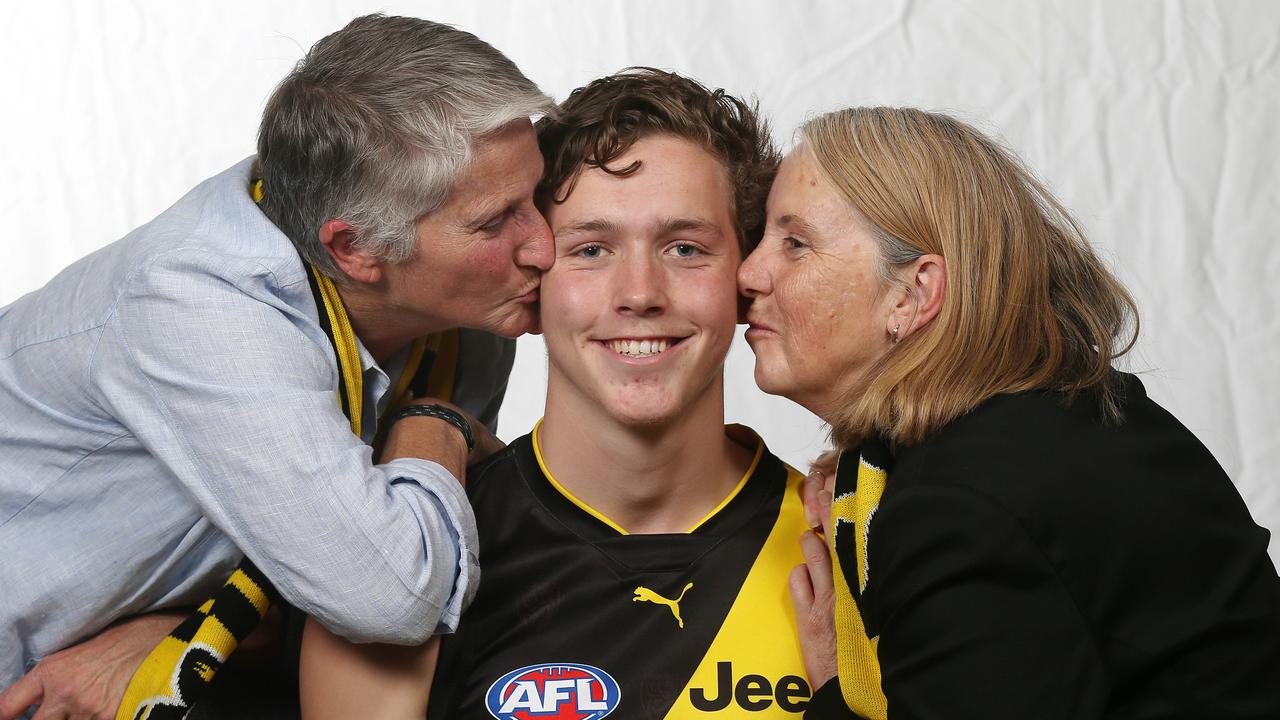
{"x": 924, "y": 289}
{"x": 338, "y": 238}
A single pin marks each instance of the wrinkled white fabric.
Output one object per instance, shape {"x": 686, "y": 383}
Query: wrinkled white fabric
{"x": 1153, "y": 121}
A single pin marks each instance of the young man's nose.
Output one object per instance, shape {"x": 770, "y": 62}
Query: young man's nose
{"x": 642, "y": 287}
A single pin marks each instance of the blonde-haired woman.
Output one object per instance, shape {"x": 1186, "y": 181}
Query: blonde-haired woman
{"x": 1018, "y": 530}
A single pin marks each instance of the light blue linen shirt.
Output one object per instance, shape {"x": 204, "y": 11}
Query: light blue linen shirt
{"x": 170, "y": 400}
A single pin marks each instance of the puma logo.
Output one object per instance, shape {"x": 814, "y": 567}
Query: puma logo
{"x": 644, "y": 594}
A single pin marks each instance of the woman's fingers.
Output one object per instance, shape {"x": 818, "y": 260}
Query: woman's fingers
{"x": 817, "y": 558}
{"x": 811, "y": 587}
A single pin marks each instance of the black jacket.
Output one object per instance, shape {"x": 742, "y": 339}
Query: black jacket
{"x": 1030, "y": 561}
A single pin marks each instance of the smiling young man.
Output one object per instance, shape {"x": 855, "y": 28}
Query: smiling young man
{"x": 636, "y": 550}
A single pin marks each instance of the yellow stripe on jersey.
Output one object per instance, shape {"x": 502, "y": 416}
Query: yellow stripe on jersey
{"x": 542, "y": 465}
{"x": 751, "y": 470}
{"x": 758, "y": 636}
{"x": 739, "y": 433}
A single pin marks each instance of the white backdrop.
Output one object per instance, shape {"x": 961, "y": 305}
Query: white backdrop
{"x": 1154, "y": 121}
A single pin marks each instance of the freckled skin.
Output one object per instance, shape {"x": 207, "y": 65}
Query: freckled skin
{"x": 815, "y": 295}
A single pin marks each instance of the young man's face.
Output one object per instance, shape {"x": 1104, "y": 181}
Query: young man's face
{"x": 639, "y": 309}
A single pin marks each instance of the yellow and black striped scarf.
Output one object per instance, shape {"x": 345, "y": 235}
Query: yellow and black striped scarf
{"x": 860, "y": 482}
{"x": 179, "y": 670}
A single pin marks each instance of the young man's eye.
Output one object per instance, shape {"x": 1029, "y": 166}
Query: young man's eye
{"x": 685, "y": 250}
{"x": 590, "y": 251}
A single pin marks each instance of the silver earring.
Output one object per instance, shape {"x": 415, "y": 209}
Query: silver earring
{"x": 896, "y": 328}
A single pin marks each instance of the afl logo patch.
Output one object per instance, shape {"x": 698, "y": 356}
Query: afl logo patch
{"x": 564, "y": 691}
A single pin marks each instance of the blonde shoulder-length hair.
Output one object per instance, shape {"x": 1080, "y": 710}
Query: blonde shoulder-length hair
{"x": 1027, "y": 305}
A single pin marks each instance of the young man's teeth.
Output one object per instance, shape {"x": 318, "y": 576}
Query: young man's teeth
{"x": 639, "y": 348}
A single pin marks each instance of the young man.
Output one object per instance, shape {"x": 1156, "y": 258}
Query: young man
{"x": 635, "y": 550}
{"x": 170, "y": 403}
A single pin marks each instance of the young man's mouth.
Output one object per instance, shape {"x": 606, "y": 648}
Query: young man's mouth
{"x": 641, "y": 347}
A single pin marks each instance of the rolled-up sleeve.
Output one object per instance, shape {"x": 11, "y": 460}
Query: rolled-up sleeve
{"x": 453, "y": 525}
{"x": 232, "y": 388}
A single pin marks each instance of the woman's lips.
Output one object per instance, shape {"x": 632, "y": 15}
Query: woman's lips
{"x": 757, "y": 327}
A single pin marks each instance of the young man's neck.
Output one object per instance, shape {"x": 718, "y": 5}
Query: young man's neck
{"x": 661, "y": 478}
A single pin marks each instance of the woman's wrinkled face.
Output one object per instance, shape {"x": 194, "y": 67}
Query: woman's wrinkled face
{"x": 818, "y": 316}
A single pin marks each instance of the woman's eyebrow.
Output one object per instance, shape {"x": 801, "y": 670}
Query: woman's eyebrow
{"x": 792, "y": 220}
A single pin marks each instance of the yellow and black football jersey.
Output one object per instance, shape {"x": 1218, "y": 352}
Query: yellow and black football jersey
{"x": 576, "y": 619}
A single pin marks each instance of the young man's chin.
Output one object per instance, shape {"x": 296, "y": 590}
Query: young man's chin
{"x": 645, "y": 415}
{"x": 652, "y": 421}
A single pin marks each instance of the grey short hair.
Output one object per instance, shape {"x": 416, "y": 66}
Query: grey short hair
{"x": 374, "y": 127}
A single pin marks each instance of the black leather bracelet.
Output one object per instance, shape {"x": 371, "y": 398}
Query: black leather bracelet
{"x": 441, "y": 412}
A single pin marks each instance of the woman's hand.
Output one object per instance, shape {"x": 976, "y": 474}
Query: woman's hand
{"x": 825, "y": 465}
{"x": 812, "y": 584}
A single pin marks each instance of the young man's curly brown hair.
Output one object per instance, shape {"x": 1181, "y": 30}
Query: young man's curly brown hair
{"x": 599, "y": 122}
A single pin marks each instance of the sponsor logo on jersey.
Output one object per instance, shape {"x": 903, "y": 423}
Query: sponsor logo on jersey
{"x": 644, "y": 594}
{"x": 751, "y": 692}
{"x": 554, "y": 691}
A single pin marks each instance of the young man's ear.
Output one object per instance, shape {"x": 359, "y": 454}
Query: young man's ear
{"x": 338, "y": 238}
{"x": 926, "y": 288}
